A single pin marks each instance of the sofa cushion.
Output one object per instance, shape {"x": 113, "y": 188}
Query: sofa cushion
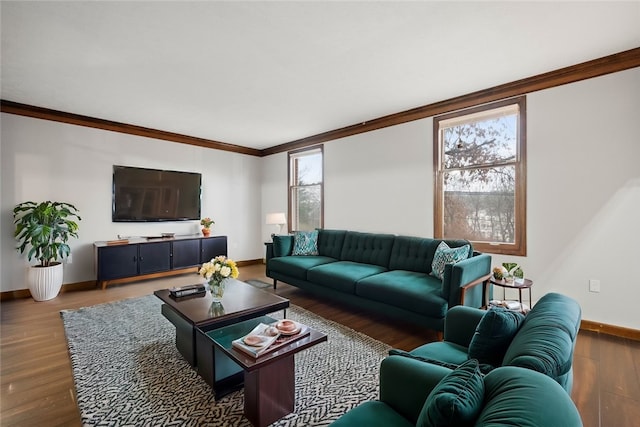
{"x": 444, "y": 351}
{"x": 342, "y": 275}
{"x": 456, "y": 400}
{"x": 409, "y": 290}
{"x": 372, "y": 413}
{"x": 412, "y": 253}
{"x": 546, "y": 340}
{"x": 297, "y": 266}
{"x": 446, "y": 255}
{"x": 494, "y": 334}
{"x": 305, "y": 243}
{"x": 330, "y": 242}
{"x": 367, "y": 248}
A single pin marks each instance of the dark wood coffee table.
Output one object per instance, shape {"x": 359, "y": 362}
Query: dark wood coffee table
{"x": 269, "y": 379}
{"x": 193, "y": 316}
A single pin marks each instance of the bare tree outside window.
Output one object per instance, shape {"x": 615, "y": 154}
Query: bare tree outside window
{"x": 305, "y": 189}
{"x": 480, "y": 182}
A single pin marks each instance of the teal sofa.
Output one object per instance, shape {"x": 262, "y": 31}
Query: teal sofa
{"x": 509, "y": 396}
{"x": 384, "y": 273}
{"x": 544, "y": 341}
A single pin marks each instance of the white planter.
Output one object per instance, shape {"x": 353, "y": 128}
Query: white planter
{"x": 45, "y": 282}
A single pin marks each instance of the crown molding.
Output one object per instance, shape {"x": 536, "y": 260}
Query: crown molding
{"x": 586, "y": 70}
{"x": 92, "y": 122}
{"x": 598, "y": 67}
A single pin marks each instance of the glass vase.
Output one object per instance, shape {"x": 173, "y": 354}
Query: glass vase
{"x": 217, "y": 289}
{"x": 216, "y": 309}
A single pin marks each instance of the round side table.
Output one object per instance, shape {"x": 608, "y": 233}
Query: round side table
{"x": 526, "y": 284}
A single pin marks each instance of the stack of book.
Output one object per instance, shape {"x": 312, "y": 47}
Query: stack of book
{"x": 188, "y": 290}
{"x": 510, "y": 305}
{"x": 267, "y": 338}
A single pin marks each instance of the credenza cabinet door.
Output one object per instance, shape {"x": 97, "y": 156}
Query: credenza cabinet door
{"x": 212, "y": 247}
{"x": 115, "y": 262}
{"x": 186, "y": 253}
{"x": 154, "y": 257}
{"x": 128, "y": 260}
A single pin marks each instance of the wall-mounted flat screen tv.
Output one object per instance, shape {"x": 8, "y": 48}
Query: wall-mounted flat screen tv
{"x": 142, "y": 195}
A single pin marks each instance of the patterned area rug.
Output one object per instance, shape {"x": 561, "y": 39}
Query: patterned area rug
{"x": 128, "y": 372}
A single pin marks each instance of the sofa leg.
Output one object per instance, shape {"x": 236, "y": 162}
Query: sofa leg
{"x": 274, "y": 284}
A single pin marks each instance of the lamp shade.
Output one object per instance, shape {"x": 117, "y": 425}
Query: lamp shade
{"x": 276, "y": 218}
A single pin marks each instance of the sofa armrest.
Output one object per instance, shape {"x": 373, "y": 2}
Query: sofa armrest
{"x": 269, "y": 250}
{"x": 470, "y": 290}
{"x": 460, "y": 324}
{"x": 282, "y": 245}
{"x": 405, "y": 384}
{"x": 468, "y": 275}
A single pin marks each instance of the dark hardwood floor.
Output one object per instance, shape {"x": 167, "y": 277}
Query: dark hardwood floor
{"x": 37, "y": 385}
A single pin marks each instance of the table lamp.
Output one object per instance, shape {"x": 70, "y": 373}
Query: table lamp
{"x": 276, "y": 219}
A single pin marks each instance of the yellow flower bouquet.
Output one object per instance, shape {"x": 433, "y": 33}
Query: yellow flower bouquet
{"x": 216, "y": 271}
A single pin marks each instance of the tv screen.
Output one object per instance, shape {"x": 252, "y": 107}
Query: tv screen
{"x": 141, "y": 195}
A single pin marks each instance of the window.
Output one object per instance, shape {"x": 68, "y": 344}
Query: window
{"x": 306, "y": 191}
{"x": 480, "y": 176}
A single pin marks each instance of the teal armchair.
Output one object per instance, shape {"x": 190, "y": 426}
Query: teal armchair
{"x": 512, "y": 396}
{"x": 544, "y": 341}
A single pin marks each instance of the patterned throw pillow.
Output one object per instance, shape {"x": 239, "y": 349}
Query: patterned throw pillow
{"x": 305, "y": 243}
{"x": 446, "y": 255}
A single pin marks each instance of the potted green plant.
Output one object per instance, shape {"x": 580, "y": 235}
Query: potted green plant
{"x": 45, "y": 228}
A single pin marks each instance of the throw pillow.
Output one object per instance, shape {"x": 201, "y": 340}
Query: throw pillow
{"x": 282, "y": 245}
{"x": 494, "y": 334}
{"x": 456, "y": 400}
{"x": 446, "y": 255}
{"x": 305, "y": 243}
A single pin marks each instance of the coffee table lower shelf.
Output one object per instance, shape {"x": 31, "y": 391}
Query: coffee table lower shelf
{"x": 269, "y": 380}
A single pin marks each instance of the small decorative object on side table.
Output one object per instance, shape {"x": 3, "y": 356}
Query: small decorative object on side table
{"x": 511, "y": 272}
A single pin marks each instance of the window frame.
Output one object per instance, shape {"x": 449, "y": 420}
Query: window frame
{"x": 519, "y": 247}
{"x": 290, "y": 182}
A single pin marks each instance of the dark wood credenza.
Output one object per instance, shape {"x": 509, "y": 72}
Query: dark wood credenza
{"x": 147, "y": 258}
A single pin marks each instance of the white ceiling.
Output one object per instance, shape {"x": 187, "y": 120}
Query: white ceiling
{"x": 259, "y": 74}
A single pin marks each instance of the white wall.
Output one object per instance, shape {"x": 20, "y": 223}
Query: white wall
{"x": 583, "y": 194}
{"x": 274, "y": 191}
{"x": 381, "y": 181}
{"x": 44, "y": 160}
